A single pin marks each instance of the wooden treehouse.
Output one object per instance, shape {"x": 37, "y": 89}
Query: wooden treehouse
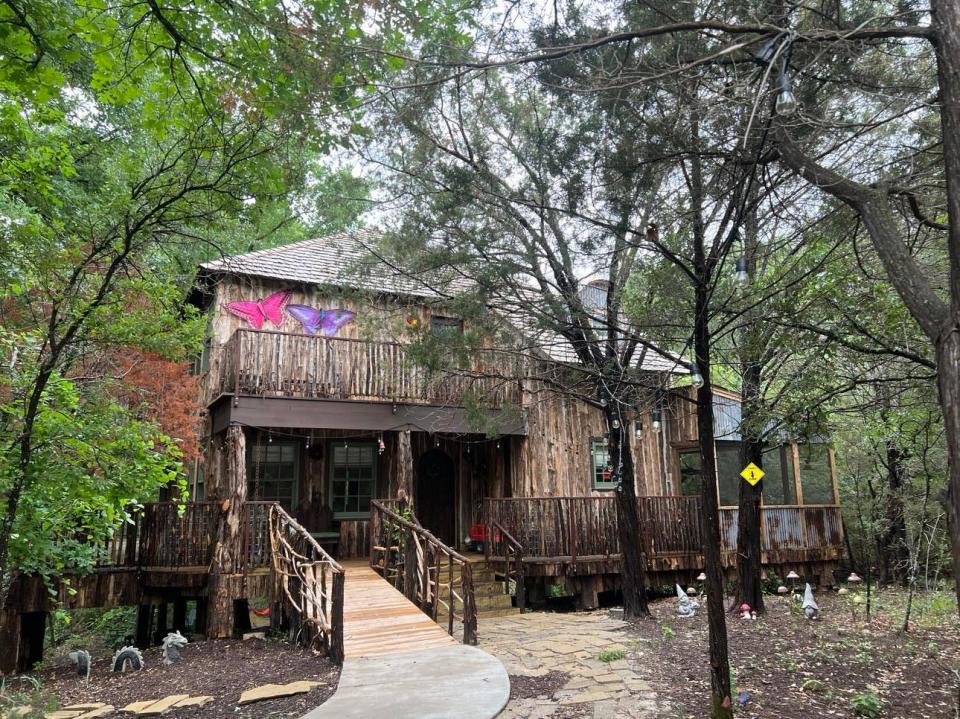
{"x": 327, "y": 444}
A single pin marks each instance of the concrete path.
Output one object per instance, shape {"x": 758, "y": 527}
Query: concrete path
{"x": 400, "y": 664}
{"x": 453, "y": 682}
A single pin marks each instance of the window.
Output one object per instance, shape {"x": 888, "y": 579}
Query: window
{"x": 816, "y": 480}
{"x": 353, "y": 471}
{"x": 778, "y": 484}
{"x": 600, "y": 457}
{"x": 201, "y": 363}
{"x": 273, "y": 472}
{"x": 446, "y": 327}
{"x": 728, "y": 472}
{"x": 689, "y": 472}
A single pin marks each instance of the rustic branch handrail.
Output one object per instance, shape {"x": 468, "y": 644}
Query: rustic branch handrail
{"x": 514, "y": 549}
{"x": 268, "y": 362}
{"x": 414, "y": 560}
{"x": 302, "y": 569}
{"x": 565, "y": 529}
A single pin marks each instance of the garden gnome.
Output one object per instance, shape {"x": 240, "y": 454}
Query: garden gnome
{"x": 686, "y": 607}
{"x": 81, "y": 658}
{"x": 810, "y": 608}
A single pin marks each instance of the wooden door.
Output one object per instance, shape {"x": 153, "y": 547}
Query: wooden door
{"x": 435, "y": 502}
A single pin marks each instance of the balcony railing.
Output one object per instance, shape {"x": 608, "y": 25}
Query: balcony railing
{"x": 571, "y": 529}
{"x": 257, "y": 362}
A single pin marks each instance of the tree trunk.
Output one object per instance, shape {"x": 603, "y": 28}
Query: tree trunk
{"x": 633, "y": 563}
{"x": 231, "y": 492}
{"x": 946, "y": 25}
{"x": 894, "y": 555}
{"x": 721, "y": 703}
{"x": 749, "y": 582}
{"x": 404, "y": 468}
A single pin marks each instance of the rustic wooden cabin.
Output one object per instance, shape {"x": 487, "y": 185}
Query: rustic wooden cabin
{"x": 323, "y": 430}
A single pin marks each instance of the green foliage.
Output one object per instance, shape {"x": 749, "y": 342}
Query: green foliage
{"x": 811, "y": 685}
{"x": 612, "y": 655}
{"x": 668, "y": 632}
{"x": 867, "y": 705}
{"x": 91, "y": 460}
{"x": 92, "y": 629}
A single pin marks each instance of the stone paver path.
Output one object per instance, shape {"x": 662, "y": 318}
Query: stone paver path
{"x": 537, "y": 643}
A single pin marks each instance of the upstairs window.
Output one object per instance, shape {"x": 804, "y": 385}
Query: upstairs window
{"x": 353, "y": 474}
{"x": 816, "y": 479}
{"x": 602, "y": 471}
{"x": 778, "y": 484}
{"x": 690, "y": 481}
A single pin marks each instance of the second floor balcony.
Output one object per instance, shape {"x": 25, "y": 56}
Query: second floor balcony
{"x": 282, "y": 364}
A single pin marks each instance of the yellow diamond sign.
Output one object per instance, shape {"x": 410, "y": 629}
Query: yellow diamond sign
{"x": 752, "y": 473}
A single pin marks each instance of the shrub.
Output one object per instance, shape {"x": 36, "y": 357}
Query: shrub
{"x": 612, "y": 656}
{"x": 866, "y": 705}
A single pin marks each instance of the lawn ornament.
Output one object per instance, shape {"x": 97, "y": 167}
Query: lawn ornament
{"x": 81, "y": 658}
{"x": 842, "y": 591}
{"x": 691, "y": 592}
{"x": 810, "y": 608}
{"x": 127, "y": 658}
{"x": 782, "y": 590}
{"x": 326, "y": 322}
{"x": 172, "y": 644}
{"x": 746, "y": 612}
{"x": 259, "y": 311}
{"x": 686, "y": 607}
{"x": 743, "y": 698}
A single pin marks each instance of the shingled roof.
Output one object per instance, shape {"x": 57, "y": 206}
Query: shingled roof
{"x": 345, "y": 259}
{"x": 348, "y": 260}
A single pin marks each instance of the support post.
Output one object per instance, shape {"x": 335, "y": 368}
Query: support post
{"x": 9, "y": 641}
{"x": 231, "y": 493}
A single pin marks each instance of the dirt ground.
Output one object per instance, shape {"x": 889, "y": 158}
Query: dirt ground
{"x": 793, "y": 668}
{"x": 222, "y": 669}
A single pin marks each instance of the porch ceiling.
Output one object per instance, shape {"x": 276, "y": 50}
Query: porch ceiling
{"x": 299, "y": 413}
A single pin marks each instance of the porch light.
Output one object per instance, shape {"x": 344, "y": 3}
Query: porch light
{"x": 655, "y": 416}
{"x": 615, "y": 424}
{"x": 786, "y": 103}
{"x": 741, "y": 276}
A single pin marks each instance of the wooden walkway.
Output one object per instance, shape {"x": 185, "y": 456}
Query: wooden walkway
{"x": 379, "y": 620}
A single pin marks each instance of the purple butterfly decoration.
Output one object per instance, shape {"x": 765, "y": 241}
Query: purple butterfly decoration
{"x": 326, "y": 322}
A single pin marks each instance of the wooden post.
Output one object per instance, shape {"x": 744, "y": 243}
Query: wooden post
{"x": 469, "y": 605}
{"x": 231, "y": 492}
{"x": 336, "y": 618}
{"x": 409, "y": 565}
{"x": 404, "y": 473}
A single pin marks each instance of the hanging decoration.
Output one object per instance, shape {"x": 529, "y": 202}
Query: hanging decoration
{"x": 326, "y": 322}
{"x": 256, "y": 312}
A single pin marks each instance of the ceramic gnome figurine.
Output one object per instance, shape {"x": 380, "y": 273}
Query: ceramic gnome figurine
{"x": 686, "y": 607}
{"x": 172, "y": 644}
{"x": 810, "y": 608}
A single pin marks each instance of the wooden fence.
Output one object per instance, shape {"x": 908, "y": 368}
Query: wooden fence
{"x": 571, "y": 529}
{"x": 260, "y": 362}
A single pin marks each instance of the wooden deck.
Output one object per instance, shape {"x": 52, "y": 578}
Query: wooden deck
{"x": 378, "y": 620}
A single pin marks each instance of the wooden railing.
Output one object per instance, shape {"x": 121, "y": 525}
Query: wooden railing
{"x": 309, "y": 583}
{"x": 514, "y": 559}
{"x": 571, "y": 529}
{"x": 168, "y": 535}
{"x": 428, "y": 572}
{"x": 260, "y": 362}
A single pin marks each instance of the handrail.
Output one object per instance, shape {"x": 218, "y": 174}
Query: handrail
{"x": 414, "y": 560}
{"x": 301, "y": 572}
{"x": 514, "y": 549}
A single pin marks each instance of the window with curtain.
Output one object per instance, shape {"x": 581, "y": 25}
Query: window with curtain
{"x": 273, "y": 472}
{"x": 353, "y": 474}
{"x": 600, "y": 457}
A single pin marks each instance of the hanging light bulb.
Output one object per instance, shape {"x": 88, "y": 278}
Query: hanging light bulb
{"x": 615, "y": 424}
{"x": 655, "y": 416}
{"x": 638, "y": 429}
{"x": 269, "y": 438}
{"x": 741, "y": 276}
{"x": 380, "y": 445}
{"x": 786, "y": 103}
{"x": 696, "y": 379}
{"x": 436, "y": 441}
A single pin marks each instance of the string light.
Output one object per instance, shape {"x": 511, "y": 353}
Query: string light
{"x": 655, "y": 417}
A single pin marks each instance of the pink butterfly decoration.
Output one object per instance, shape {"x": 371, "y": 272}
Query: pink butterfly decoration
{"x": 326, "y": 322}
{"x": 258, "y": 311}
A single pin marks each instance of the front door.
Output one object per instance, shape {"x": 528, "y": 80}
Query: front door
{"x": 435, "y": 496}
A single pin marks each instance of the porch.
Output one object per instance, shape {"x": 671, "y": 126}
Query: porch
{"x": 561, "y": 536}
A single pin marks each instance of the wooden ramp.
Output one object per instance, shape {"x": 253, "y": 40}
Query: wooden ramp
{"x": 379, "y": 620}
